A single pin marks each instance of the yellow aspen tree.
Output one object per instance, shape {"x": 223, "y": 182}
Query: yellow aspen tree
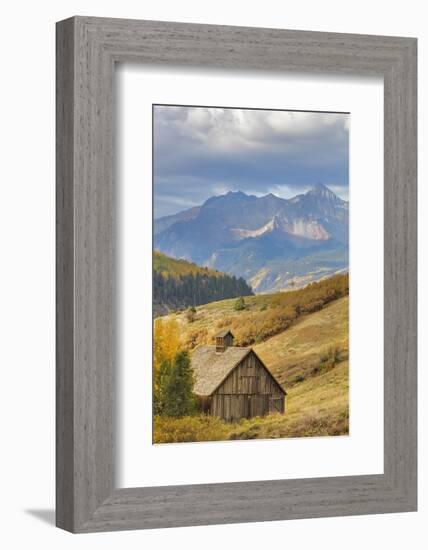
{"x": 166, "y": 343}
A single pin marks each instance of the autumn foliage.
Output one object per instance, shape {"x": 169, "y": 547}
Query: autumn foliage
{"x": 278, "y": 311}
{"x": 264, "y": 316}
{"x": 172, "y": 372}
{"x": 166, "y": 345}
{"x": 166, "y": 342}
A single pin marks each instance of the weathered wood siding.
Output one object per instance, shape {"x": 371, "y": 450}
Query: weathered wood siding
{"x": 248, "y": 391}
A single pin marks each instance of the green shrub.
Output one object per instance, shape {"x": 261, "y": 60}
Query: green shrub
{"x": 239, "y": 304}
{"x": 329, "y": 359}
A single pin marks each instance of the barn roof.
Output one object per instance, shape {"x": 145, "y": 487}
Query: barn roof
{"x": 223, "y": 333}
{"x": 211, "y": 368}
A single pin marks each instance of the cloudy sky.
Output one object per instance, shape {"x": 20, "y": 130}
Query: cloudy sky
{"x": 200, "y": 152}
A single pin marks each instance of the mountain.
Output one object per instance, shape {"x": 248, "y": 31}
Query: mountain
{"x": 273, "y": 243}
{"x": 163, "y": 223}
{"x": 178, "y": 284}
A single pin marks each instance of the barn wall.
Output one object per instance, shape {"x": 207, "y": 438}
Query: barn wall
{"x": 248, "y": 391}
{"x": 250, "y": 377}
{"x": 234, "y": 407}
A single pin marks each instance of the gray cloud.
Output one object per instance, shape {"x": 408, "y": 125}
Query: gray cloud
{"x": 200, "y": 152}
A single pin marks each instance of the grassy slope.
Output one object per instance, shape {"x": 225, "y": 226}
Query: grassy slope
{"x": 264, "y": 315}
{"x": 296, "y": 352}
{"x": 316, "y": 405}
{"x": 319, "y": 404}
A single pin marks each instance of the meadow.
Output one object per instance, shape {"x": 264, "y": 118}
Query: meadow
{"x": 308, "y": 356}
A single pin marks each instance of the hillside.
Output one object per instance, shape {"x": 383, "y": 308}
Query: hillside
{"x": 295, "y": 353}
{"x": 263, "y": 315}
{"x": 310, "y": 359}
{"x": 302, "y": 337}
{"x": 178, "y": 284}
{"x": 274, "y": 243}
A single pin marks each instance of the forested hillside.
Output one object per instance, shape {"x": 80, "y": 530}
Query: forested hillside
{"x": 178, "y": 284}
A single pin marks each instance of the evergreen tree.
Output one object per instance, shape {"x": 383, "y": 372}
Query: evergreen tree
{"x": 181, "y": 291}
{"x": 239, "y": 304}
{"x": 179, "y": 398}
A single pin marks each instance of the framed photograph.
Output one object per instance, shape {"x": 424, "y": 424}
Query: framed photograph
{"x": 236, "y": 274}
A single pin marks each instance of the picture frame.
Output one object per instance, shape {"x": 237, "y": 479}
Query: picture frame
{"x": 87, "y": 50}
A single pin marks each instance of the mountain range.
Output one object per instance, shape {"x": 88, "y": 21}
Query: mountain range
{"x": 273, "y": 243}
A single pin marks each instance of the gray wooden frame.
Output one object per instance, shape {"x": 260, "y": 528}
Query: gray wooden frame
{"x": 87, "y": 50}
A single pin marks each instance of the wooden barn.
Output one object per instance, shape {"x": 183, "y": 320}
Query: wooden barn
{"x": 233, "y": 382}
